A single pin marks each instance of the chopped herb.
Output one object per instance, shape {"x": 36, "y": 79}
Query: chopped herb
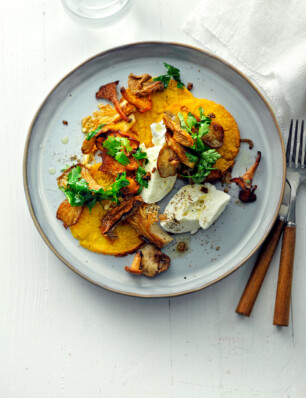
{"x": 184, "y": 124}
{"x": 122, "y": 158}
{"x": 116, "y": 147}
{"x": 140, "y": 154}
{"x": 172, "y": 72}
{"x": 143, "y": 182}
{"x": 78, "y": 192}
{"x": 201, "y": 154}
{"x": 191, "y": 157}
{"x": 92, "y": 133}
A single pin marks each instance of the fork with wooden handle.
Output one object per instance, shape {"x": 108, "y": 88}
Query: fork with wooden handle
{"x": 260, "y": 269}
{"x": 264, "y": 258}
{"x": 296, "y": 175}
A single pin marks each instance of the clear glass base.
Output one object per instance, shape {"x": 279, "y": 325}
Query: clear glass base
{"x": 96, "y": 12}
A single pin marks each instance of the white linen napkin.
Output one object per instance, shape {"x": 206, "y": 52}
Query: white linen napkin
{"x": 266, "y": 40}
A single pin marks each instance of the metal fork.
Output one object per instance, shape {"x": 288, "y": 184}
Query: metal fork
{"x": 296, "y": 175}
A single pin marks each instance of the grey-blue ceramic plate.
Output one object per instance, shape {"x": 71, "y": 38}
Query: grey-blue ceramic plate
{"x": 211, "y": 254}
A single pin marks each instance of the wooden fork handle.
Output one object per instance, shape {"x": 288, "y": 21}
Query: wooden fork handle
{"x": 260, "y": 269}
{"x": 284, "y": 284}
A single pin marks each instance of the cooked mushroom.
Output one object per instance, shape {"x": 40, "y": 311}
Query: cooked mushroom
{"x": 179, "y": 150}
{"x": 214, "y": 138}
{"x": 245, "y": 182}
{"x": 142, "y": 85}
{"x": 248, "y": 141}
{"x": 135, "y": 266}
{"x": 167, "y": 162}
{"x": 143, "y": 104}
{"x": 180, "y": 135}
{"x": 118, "y": 214}
{"x": 68, "y": 214}
{"x": 88, "y": 145}
{"x": 213, "y": 176}
{"x": 132, "y": 188}
{"x": 108, "y": 91}
{"x": 145, "y": 220}
{"x": 110, "y": 165}
{"x": 153, "y": 261}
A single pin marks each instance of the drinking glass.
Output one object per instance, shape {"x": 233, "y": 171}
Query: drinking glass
{"x": 95, "y": 12}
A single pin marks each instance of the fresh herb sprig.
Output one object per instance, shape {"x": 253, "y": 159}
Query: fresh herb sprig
{"x": 141, "y": 178}
{"x": 140, "y": 154}
{"x": 78, "y": 192}
{"x": 92, "y": 133}
{"x": 173, "y": 73}
{"x": 201, "y": 154}
{"x": 118, "y": 147}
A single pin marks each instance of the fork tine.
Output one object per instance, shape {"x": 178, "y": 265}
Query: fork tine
{"x": 295, "y": 154}
{"x": 289, "y": 143}
{"x": 302, "y": 146}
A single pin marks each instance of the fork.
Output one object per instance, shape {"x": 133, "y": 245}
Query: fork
{"x": 296, "y": 175}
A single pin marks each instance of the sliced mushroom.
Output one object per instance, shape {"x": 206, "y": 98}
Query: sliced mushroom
{"x": 143, "y": 104}
{"x": 167, "y": 162}
{"x": 110, "y": 165}
{"x": 180, "y": 135}
{"x": 108, "y": 91}
{"x": 142, "y": 85}
{"x": 68, "y": 214}
{"x": 179, "y": 150}
{"x": 118, "y": 214}
{"x": 153, "y": 261}
{"x": 145, "y": 220}
{"x": 245, "y": 182}
{"x": 214, "y": 138}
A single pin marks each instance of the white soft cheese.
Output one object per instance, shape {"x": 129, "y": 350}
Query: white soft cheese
{"x": 192, "y": 207}
{"x": 158, "y": 131}
{"x": 158, "y": 187}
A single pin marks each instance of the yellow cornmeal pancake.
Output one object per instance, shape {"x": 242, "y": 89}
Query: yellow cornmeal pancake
{"x": 177, "y": 100}
{"x": 161, "y": 102}
{"x": 87, "y": 229}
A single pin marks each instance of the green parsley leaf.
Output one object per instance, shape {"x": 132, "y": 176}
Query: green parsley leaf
{"x": 191, "y": 157}
{"x": 183, "y": 123}
{"x": 191, "y": 120}
{"x": 122, "y": 158}
{"x": 172, "y": 72}
{"x": 164, "y": 79}
{"x": 115, "y": 147}
{"x": 115, "y": 144}
{"x": 140, "y": 154}
{"x": 198, "y": 146}
{"x": 204, "y": 166}
{"x": 78, "y": 193}
{"x": 92, "y": 133}
{"x": 210, "y": 156}
{"x": 141, "y": 172}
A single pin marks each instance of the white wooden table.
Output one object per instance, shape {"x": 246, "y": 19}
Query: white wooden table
{"x": 60, "y": 335}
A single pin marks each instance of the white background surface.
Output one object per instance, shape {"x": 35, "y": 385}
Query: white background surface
{"x": 61, "y": 336}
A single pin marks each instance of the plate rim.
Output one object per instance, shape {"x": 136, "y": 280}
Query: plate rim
{"x": 26, "y": 153}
